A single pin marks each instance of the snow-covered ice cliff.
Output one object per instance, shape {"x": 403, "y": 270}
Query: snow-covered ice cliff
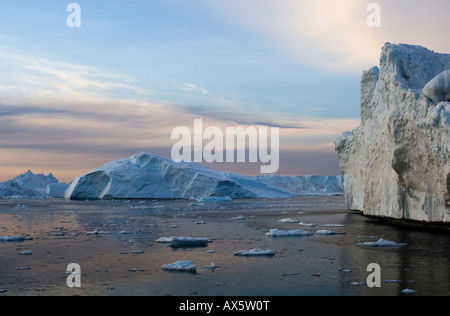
{"x": 396, "y": 163}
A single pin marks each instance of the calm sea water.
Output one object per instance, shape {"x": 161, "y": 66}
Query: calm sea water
{"x": 125, "y": 259}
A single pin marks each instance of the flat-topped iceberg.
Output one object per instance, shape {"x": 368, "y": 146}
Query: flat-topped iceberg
{"x": 148, "y": 176}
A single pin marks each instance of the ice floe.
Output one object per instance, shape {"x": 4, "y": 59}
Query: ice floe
{"x": 381, "y": 243}
{"x": 178, "y": 242}
{"x": 181, "y": 265}
{"x": 14, "y": 238}
{"x": 287, "y": 220}
{"x": 254, "y": 252}
{"x": 283, "y": 233}
{"x": 328, "y": 232}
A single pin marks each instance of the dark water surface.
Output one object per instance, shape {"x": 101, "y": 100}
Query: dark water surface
{"x": 114, "y": 263}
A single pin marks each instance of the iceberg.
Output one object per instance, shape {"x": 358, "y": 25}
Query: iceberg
{"x": 148, "y": 176}
{"x": 28, "y": 185}
{"x": 396, "y": 163}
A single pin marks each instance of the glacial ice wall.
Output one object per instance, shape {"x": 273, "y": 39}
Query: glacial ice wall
{"x": 396, "y": 163}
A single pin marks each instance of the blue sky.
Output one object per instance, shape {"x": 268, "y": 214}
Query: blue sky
{"x": 72, "y": 99}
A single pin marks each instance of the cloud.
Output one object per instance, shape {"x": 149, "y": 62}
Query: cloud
{"x": 333, "y": 34}
{"x": 190, "y": 87}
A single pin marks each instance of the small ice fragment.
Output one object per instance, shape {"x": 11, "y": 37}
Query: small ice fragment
{"x": 307, "y": 224}
{"x": 200, "y": 222}
{"x": 329, "y": 232}
{"x": 210, "y": 251}
{"x": 196, "y": 204}
{"x": 23, "y": 268}
{"x": 382, "y": 243}
{"x": 26, "y": 253}
{"x": 358, "y": 283}
{"x": 346, "y": 270}
{"x": 3, "y": 291}
{"x": 181, "y": 265}
{"x": 408, "y": 291}
{"x": 164, "y": 240}
{"x": 14, "y": 238}
{"x": 333, "y": 225}
{"x": 392, "y": 281}
{"x": 73, "y": 234}
{"x": 215, "y": 199}
{"x": 254, "y": 252}
{"x": 301, "y": 213}
{"x": 137, "y": 252}
{"x": 287, "y": 220}
{"x": 58, "y": 234}
{"x": 21, "y": 207}
{"x": 238, "y": 218}
{"x": 125, "y": 232}
{"x": 212, "y": 266}
{"x": 282, "y": 233}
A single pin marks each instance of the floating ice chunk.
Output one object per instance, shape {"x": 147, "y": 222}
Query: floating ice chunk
{"x": 26, "y": 253}
{"x": 14, "y": 238}
{"x": 329, "y": 232}
{"x": 181, "y": 265}
{"x": 3, "y": 291}
{"x": 392, "y": 281}
{"x": 184, "y": 241}
{"x": 382, "y": 243}
{"x": 333, "y": 225}
{"x": 196, "y": 204}
{"x": 408, "y": 291}
{"x": 125, "y": 232}
{"x": 214, "y": 199}
{"x": 282, "y": 233}
{"x": 58, "y": 234}
{"x": 212, "y": 266}
{"x": 254, "y": 252}
{"x": 164, "y": 240}
{"x": 287, "y": 220}
{"x": 307, "y": 224}
{"x": 238, "y": 218}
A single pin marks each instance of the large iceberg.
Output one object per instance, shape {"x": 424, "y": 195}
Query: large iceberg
{"x": 30, "y": 185}
{"x": 148, "y": 176}
{"x": 396, "y": 163}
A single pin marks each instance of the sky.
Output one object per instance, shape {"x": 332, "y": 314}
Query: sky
{"x": 75, "y": 98}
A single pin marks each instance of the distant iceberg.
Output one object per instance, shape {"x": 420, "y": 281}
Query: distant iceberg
{"x": 30, "y": 185}
{"x": 148, "y": 176}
